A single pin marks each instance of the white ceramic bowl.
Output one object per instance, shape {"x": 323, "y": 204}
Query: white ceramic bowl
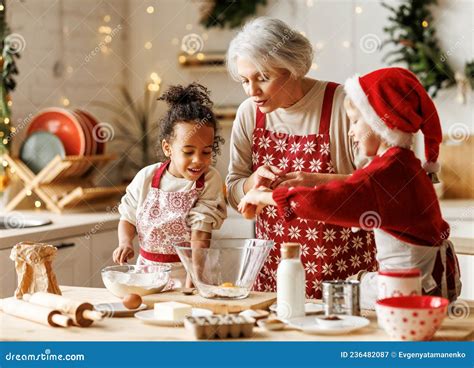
{"x": 141, "y": 280}
{"x": 411, "y": 318}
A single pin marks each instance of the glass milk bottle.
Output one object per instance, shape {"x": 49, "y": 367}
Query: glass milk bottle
{"x": 290, "y": 283}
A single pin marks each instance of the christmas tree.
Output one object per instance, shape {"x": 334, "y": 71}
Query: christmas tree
{"x": 414, "y": 35}
{"x": 222, "y": 13}
{"x": 10, "y": 46}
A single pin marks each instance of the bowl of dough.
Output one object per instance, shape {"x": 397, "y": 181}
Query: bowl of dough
{"x": 224, "y": 268}
{"x": 134, "y": 279}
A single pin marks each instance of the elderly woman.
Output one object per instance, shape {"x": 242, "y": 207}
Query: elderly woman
{"x": 292, "y": 131}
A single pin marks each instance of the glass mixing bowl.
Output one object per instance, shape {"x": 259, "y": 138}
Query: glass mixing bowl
{"x": 224, "y": 268}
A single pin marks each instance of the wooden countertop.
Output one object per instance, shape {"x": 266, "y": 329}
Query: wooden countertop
{"x": 131, "y": 329}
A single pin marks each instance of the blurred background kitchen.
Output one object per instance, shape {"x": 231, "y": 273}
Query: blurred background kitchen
{"x": 112, "y": 59}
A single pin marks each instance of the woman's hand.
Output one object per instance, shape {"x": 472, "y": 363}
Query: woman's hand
{"x": 254, "y": 201}
{"x": 297, "y": 179}
{"x": 303, "y": 179}
{"x": 123, "y": 253}
{"x": 264, "y": 176}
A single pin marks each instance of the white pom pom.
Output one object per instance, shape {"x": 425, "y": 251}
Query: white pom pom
{"x": 431, "y": 167}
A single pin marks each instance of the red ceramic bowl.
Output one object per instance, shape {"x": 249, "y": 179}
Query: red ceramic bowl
{"x": 87, "y": 133}
{"x": 411, "y": 318}
{"x": 100, "y": 144}
{"x": 90, "y": 144}
{"x": 64, "y": 125}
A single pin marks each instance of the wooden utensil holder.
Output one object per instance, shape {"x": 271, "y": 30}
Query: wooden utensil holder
{"x": 64, "y": 183}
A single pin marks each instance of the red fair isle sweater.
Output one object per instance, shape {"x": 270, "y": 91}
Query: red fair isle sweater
{"x": 393, "y": 190}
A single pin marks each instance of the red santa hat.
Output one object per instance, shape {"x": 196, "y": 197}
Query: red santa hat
{"x": 395, "y": 105}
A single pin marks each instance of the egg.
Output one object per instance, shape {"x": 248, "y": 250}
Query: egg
{"x": 132, "y": 301}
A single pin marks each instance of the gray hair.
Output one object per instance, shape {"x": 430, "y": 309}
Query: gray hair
{"x": 270, "y": 43}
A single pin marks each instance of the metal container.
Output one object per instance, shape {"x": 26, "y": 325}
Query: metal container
{"x": 341, "y": 297}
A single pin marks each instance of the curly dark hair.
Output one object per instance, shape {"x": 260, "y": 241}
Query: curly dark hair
{"x": 189, "y": 104}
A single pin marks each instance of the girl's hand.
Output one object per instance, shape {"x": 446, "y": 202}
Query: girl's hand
{"x": 254, "y": 201}
{"x": 123, "y": 253}
{"x": 199, "y": 240}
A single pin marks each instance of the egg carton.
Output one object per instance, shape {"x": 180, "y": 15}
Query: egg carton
{"x": 220, "y": 326}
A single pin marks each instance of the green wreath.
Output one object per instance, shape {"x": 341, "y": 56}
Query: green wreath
{"x": 222, "y": 13}
{"x": 412, "y": 31}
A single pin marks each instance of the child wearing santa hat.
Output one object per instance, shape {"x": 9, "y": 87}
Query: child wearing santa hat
{"x": 393, "y": 194}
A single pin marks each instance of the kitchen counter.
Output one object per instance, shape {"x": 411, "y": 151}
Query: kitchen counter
{"x": 79, "y": 224}
{"x": 63, "y": 225}
{"x": 131, "y": 329}
{"x": 459, "y": 213}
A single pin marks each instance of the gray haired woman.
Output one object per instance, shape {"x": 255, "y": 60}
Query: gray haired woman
{"x": 292, "y": 131}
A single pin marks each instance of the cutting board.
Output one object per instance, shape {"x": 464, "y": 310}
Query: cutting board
{"x": 255, "y": 300}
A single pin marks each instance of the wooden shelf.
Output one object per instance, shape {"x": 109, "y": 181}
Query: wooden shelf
{"x": 203, "y": 62}
{"x": 64, "y": 183}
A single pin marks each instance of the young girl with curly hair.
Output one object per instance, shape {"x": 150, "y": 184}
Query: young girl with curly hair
{"x": 180, "y": 198}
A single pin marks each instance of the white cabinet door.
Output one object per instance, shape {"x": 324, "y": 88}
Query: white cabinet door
{"x": 466, "y": 265}
{"x": 7, "y": 274}
{"x": 102, "y": 247}
{"x": 72, "y": 263}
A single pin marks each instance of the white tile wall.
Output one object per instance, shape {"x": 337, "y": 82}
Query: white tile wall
{"x": 67, "y": 41}
{"x": 328, "y": 23}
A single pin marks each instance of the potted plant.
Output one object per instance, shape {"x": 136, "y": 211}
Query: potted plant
{"x": 137, "y": 127}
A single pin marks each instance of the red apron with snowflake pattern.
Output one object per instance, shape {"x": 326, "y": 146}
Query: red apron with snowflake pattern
{"x": 161, "y": 222}
{"x": 328, "y": 252}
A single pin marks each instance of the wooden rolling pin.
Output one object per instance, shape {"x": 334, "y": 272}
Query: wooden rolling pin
{"x": 35, "y": 313}
{"x": 81, "y": 313}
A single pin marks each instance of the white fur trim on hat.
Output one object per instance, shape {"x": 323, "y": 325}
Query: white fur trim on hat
{"x": 431, "y": 167}
{"x": 393, "y": 137}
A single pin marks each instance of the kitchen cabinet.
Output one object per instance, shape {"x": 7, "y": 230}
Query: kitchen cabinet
{"x": 71, "y": 266}
{"x": 72, "y": 263}
{"x": 76, "y": 235}
{"x": 76, "y": 262}
{"x": 466, "y": 265}
{"x": 102, "y": 246}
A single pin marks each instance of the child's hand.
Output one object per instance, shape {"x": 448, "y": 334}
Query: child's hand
{"x": 123, "y": 253}
{"x": 249, "y": 211}
{"x": 254, "y": 201}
